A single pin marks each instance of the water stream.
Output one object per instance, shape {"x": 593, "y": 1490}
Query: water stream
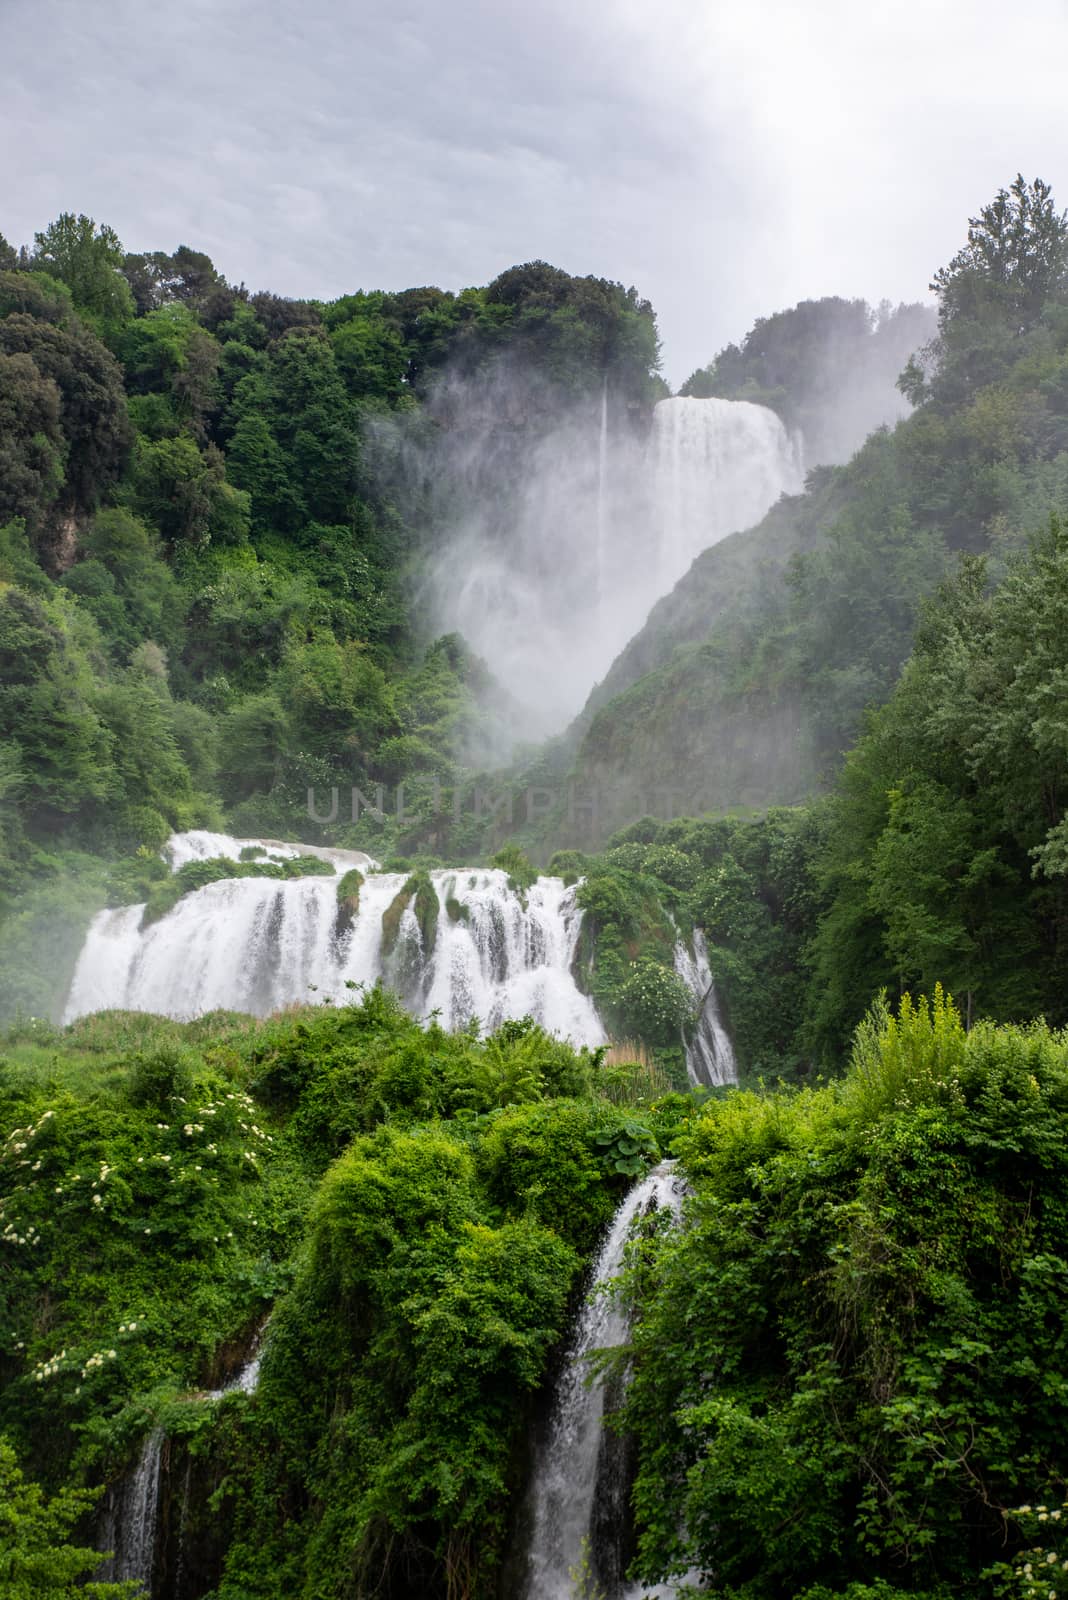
{"x": 578, "y": 1487}
{"x": 128, "y": 1525}
{"x": 709, "y": 1053}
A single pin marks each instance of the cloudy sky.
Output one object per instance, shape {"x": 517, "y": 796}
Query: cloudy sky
{"x": 728, "y": 157}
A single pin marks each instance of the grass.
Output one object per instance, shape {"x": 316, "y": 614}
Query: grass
{"x": 630, "y": 1075}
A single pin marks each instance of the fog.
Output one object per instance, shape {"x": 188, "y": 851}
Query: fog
{"x": 553, "y": 530}
{"x": 553, "y": 524}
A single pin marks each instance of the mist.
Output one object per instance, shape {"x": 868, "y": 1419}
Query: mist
{"x": 828, "y": 367}
{"x": 555, "y": 523}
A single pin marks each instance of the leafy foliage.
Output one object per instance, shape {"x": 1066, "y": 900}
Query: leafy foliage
{"x": 847, "y": 1363}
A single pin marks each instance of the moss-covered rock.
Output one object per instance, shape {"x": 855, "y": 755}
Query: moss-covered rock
{"x": 348, "y": 901}
{"x": 419, "y": 893}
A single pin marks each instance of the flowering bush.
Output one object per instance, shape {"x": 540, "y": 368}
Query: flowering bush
{"x": 656, "y": 1002}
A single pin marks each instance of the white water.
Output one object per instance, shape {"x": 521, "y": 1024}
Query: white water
{"x": 717, "y": 466}
{"x": 200, "y": 845}
{"x": 129, "y": 1523}
{"x": 259, "y": 944}
{"x": 710, "y": 1054}
{"x": 247, "y": 1378}
{"x": 567, "y": 1473}
{"x": 554, "y": 561}
{"x": 602, "y": 494}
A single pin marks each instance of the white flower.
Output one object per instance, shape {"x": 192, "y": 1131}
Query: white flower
{"x": 98, "y": 1199}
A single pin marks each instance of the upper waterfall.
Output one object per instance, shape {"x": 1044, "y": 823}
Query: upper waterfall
{"x": 553, "y": 557}
{"x": 717, "y": 466}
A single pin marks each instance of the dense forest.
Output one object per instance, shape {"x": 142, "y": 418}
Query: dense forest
{"x": 842, "y": 1377}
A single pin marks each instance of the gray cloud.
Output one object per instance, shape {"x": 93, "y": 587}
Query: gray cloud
{"x": 728, "y": 157}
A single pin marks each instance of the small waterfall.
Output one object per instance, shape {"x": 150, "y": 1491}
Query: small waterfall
{"x": 129, "y": 1523}
{"x": 183, "y": 1519}
{"x": 258, "y": 944}
{"x": 709, "y": 1054}
{"x": 574, "y": 1473}
{"x": 246, "y": 1379}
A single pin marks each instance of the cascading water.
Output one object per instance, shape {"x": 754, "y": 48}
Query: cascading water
{"x": 555, "y": 554}
{"x": 709, "y": 1054}
{"x": 572, "y": 1474}
{"x": 129, "y": 1522}
{"x": 717, "y": 466}
{"x": 258, "y": 944}
{"x": 246, "y": 1379}
{"x": 602, "y": 494}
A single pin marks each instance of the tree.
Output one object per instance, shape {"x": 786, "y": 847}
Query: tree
{"x": 183, "y": 490}
{"x": 156, "y": 278}
{"x": 36, "y": 1560}
{"x": 1015, "y": 257}
{"x": 93, "y": 404}
{"x": 88, "y": 259}
{"x": 32, "y": 446}
{"x": 992, "y": 295}
{"x": 46, "y": 711}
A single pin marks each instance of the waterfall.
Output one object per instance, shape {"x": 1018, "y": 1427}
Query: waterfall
{"x": 129, "y": 1523}
{"x": 246, "y": 1379}
{"x": 258, "y": 944}
{"x": 602, "y": 493}
{"x": 558, "y": 542}
{"x": 709, "y": 1054}
{"x": 572, "y": 1476}
{"x": 717, "y": 466}
{"x": 200, "y": 845}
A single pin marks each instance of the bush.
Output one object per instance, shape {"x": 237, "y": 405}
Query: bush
{"x": 655, "y": 1002}
{"x": 159, "y": 1079}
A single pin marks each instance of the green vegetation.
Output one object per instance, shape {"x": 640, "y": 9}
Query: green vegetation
{"x": 415, "y": 1206}
{"x": 750, "y": 681}
{"x": 849, "y": 1368}
{"x": 36, "y": 1562}
{"x": 208, "y": 551}
{"x": 848, "y": 1361}
{"x": 170, "y": 887}
{"x": 846, "y": 1370}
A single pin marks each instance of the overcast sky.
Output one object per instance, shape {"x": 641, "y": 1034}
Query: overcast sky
{"x": 728, "y": 157}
